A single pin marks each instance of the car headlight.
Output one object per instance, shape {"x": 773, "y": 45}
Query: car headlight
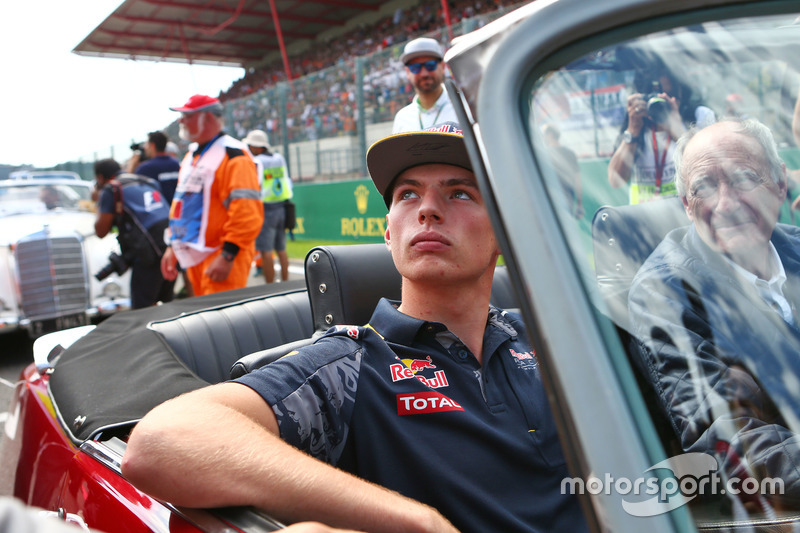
{"x": 112, "y": 289}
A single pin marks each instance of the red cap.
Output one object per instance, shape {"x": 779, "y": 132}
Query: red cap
{"x": 200, "y": 102}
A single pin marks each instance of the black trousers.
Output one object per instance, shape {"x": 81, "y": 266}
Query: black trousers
{"x": 149, "y": 287}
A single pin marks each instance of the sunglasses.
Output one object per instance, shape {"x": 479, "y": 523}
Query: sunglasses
{"x": 429, "y": 65}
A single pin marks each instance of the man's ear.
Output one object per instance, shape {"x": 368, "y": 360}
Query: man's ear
{"x": 782, "y": 186}
{"x": 387, "y": 238}
{"x": 686, "y": 208}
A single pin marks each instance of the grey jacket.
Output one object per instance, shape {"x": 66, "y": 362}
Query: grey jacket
{"x": 724, "y": 365}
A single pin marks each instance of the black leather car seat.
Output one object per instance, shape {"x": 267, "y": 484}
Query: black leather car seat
{"x": 209, "y": 341}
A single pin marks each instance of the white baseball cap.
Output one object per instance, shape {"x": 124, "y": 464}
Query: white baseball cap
{"x": 422, "y": 47}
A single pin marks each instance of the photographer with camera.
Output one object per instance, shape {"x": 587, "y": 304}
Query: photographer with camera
{"x": 134, "y": 205}
{"x": 658, "y": 114}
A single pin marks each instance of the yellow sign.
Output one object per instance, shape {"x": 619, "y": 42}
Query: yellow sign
{"x": 364, "y": 227}
{"x": 361, "y": 193}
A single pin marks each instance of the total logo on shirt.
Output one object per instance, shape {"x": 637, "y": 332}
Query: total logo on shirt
{"x": 416, "y": 403}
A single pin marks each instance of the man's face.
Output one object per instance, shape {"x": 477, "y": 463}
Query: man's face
{"x": 437, "y": 228}
{"x": 730, "y": 196}
{"x": 196, "y": 127}
{"x": 426, "y": 81}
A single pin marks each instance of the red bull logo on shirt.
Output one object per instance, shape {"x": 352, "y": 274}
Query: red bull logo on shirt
{"x": 409, "y": 370}
{"x": 524, "y": 360}
{"x": 418, "y": 364}
{"x": 351, "y": 331}
{"x": 417, "y": 403}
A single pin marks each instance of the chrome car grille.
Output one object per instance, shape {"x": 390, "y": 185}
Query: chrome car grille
{"x": 52, "y": 274}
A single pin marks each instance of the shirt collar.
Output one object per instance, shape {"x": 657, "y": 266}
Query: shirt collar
{"x": 778, "y": 277}
{"x": 400, "y": 328}
{"x": 439, "y": 102}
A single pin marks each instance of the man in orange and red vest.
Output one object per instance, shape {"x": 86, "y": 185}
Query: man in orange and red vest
{"x": 216, "y": 212}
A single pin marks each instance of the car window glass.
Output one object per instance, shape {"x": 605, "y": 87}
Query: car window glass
{"x": 706, "y": 308}
{"x": 23, "y": 197}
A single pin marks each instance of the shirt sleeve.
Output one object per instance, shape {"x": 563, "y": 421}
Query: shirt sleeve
{"x": 105, "y": 204}
{"x": 312, "y": 392}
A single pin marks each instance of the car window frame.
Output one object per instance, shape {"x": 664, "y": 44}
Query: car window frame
{"x": 561, "y": 33}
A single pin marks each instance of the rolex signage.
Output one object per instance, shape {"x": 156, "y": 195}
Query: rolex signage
{"x": 340, "y": 211}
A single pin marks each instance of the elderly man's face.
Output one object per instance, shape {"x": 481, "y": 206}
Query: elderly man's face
{"x": 197, "y": 127}
{"x": 730, "y": 196}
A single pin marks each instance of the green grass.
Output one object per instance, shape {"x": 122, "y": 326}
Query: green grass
{"x": 298, "y": 249}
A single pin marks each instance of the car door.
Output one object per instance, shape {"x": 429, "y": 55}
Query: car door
{"x": 571, "y": 65}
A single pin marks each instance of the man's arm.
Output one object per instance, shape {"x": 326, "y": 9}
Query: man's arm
{"x": 103, "y": 224}
{"x": 241, "y": 192}
{"x": 219, "y": 446}
{"x": 105, "y": 212}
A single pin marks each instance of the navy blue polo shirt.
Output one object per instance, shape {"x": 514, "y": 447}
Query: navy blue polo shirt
{"x": 164, "y": 169}
{"x": 403, "y": 403}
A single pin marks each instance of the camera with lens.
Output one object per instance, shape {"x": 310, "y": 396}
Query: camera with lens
{"x": 657, "y": 108}
{"x": 137, "y": 146}
{"x": 130, "y": 244}
{"x": 116, "y": 263}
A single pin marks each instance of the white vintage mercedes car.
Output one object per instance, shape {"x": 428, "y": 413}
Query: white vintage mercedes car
{"x": 49, "y": 257}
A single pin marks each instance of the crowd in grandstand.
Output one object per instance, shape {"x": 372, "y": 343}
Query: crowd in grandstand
{"x": 401, "y": 26}
{"x": 321, "y": 99}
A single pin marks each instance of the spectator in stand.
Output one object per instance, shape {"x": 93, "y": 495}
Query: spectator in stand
{"x": 159, "y": 165}
{"x": 276, "y": 189}
{"x": 216, "y": 213}
{"x": 425, "y": 71}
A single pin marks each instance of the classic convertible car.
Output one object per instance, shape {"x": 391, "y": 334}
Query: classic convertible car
{"x": 567, "y": 64}
{"x": 50, "y": 255}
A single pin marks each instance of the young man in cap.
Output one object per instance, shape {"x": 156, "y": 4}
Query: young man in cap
{"x": 276, "y": 189}
{"x": 216, "y": 212}
{"x": 430, "y": 418}
{"x": 425, "y": 71}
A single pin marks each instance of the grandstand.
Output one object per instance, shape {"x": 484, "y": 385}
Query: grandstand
{"x": 345, "y": 86}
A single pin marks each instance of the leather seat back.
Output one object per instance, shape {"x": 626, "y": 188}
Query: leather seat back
{"x": 211, "y": 340}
